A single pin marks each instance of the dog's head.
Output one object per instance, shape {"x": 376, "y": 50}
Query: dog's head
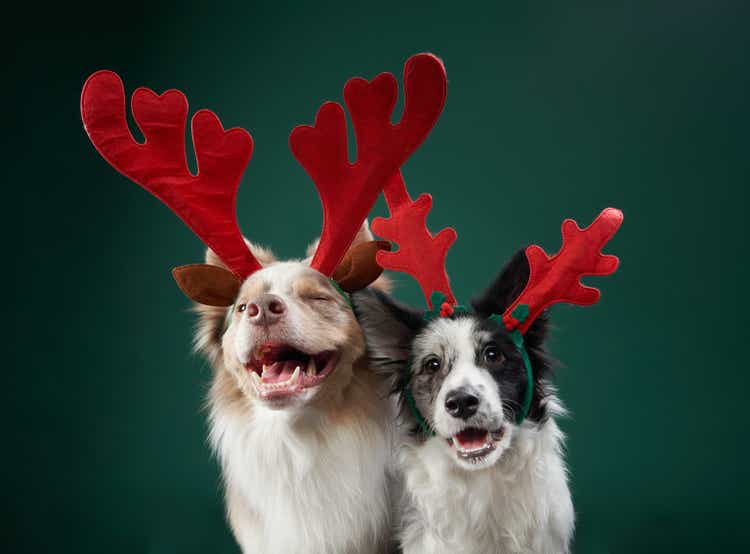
{"x": 465, "y": 375}
{"x": 290, "y": 337}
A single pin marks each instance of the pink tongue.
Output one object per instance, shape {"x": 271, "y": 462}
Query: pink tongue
{"x": 472, "y": 438}
{"x": 280, "y": 371}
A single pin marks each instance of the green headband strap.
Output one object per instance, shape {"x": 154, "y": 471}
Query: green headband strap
{"x": 520, "y": 314}
{"x": 412, "y": 404}
{"x": 342, "y": 292}
{"x": 437, "y": 299}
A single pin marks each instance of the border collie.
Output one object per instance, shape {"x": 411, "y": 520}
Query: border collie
{"x": 475, "y": 481}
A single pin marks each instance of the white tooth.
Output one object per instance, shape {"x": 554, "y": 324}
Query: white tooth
{"x": 295, "y": 376}
{"x": 283, "y": 384}
{"x": 265, "y": 368}
{"x": 311, "y": 369}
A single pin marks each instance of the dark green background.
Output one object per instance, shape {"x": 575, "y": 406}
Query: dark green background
{"x": 555, "y": 109}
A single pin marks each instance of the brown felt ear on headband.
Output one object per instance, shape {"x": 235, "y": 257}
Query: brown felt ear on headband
{"x": 207, "y": 284}
{"x": 358, "y": 268}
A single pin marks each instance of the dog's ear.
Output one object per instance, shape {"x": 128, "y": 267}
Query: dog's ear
{"x": 206, "y": 284}
{"x": 212, "y": 284}
{"x": 362, "y": 252}
{"x": 504, "y": 290}
{"x": 389, "y": 328}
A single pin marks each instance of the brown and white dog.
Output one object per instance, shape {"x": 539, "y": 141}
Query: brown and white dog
{"x": 299, "y": 422}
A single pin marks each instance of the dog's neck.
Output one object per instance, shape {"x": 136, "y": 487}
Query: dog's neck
{"x": 308, "y": 471}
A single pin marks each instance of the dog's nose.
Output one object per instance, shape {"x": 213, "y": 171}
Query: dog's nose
{"x": 461, "y": 403}
{"x": 266, "y": 309}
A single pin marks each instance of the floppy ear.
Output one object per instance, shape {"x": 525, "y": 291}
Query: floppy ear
{"x": 359, "y": 269}
{"x": 389, "y": 328}
{"x": 206, "y": 284}
{"x": 503, "y": 292}
{"x": 212, "y": 284}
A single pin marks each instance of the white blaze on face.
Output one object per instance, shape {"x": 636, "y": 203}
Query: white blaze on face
{"x": 293, "y": 351}
{"x": 458, "y": 341}
{"x": 310, "y": 325}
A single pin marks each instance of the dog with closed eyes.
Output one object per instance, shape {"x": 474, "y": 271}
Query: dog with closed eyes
{"x": 299, "y": 422}
{"x": 482, "y": 454}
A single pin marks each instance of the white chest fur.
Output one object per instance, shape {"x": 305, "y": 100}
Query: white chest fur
{"x": 519, "y": 505}
{"x": 317, "y": 484}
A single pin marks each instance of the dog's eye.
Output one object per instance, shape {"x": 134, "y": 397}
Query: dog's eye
{"x": 492, "y": 354}
{"x": 319, "y": 298}
{"x": 432, "y": 364}
{"x": 242, "y": 308}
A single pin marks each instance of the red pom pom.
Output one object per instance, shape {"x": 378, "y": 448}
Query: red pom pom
{"x": 446, "y": 309}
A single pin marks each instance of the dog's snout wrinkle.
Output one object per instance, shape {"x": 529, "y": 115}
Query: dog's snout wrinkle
{"x": 267, "y": 309}
{"x": 462, "y": 403}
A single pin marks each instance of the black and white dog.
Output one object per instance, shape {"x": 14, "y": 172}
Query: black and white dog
{"x": 475, "y": 480}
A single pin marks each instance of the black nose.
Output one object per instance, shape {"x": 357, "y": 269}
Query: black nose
{"x": 461, "y": 403}
{"x": 266, "y": 309}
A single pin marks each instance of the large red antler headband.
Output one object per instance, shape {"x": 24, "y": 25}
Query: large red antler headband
{"x": 551, "y": 279}
{"x": 206, "y": 201}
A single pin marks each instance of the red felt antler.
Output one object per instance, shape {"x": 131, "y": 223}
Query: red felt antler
{"x": 420, "y": 254}
{"x": 206, "y": 201}
{"x": 348, "y": 191}
{"x": 556, "y": 278}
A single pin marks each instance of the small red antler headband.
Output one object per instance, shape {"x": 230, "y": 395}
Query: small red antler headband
{"x": 206, "y": 201}
{"x": 552, "y": 279}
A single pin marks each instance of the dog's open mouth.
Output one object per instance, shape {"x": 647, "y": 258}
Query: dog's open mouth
{"x": 474, "y": 444}
{"x": 280, "y": 371}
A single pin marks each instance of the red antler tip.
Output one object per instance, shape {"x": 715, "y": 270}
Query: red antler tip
{"x": 419, "y": 253}
{"x": 348, "y": 191}
{"x": 206, "y": 201}
{"x": 557, "y": 278}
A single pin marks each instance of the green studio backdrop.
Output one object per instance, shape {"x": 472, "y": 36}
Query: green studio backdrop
{"x": 555, "y": 109}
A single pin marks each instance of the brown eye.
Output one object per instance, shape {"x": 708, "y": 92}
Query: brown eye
{"x": 241, "y": 308}
{"x": 432, "y": 364}
{"x": 492, "y": 354}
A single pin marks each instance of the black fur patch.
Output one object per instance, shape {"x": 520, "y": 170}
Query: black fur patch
{"x": 495, "y": 300}
{"x": 390, "y": 329}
